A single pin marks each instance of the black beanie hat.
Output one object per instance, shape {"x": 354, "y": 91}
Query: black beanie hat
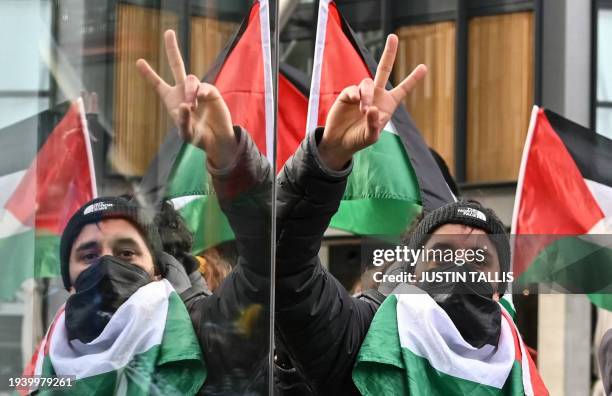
{"x": 104, "y": 208}
{"x": 469, "y": 213}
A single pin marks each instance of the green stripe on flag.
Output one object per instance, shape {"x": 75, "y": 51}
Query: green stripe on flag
{"x": 576, "y": 264}
{"x": 174, "y": 367}
{"x": 17, "y": 252}
{"x": 384, "y": 367}
{"x": 380, "y": 369}
{"x": 47, "y": 256}
{"x": 208, "y": 224}
{"x": 28, "y": 255}
{"x": 382, "y": 195}
{"x": 203, "y": 215}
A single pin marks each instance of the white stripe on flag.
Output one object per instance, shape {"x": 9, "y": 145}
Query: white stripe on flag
{"x": 136, "y": 327}
{"x": 90, "y": 162}
{"x": 8, "y": 184}
{"x": 264, "y": 23}
{"x": 427, "y": 331}
{"x": 10, "y": 225}
{"x": 315, "y": 83}
{"x": 602, "y": 194}
{"x": 181, "y": 202}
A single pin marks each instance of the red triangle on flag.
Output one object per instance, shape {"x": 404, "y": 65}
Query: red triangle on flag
{"x": 553, "y": 199}
{"x": 242, "y": 84}
{"x": 554, "y": 196}
{"x": 292, "y": 111}
{"x": 342, "y": 66}
{"x": 60, "y": 179}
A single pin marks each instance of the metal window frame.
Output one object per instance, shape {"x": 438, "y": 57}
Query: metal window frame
{"x": 596, "y": 104}
{"x": 461, "y": 11}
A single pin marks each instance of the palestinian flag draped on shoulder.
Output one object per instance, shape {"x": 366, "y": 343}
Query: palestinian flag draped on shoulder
{"x": 413, "y": 348}
{"x": 148, "y": 347}
{"x": 243, "y": 75}
{"x": 46, "y": 174}
{"x": 562, "y": 210}
{"x": 392, "y": 180}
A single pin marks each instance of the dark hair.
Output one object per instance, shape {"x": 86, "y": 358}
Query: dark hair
{"x": 176, "y": 237}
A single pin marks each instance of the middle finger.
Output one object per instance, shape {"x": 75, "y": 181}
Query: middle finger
{"x": 174, "y": 57}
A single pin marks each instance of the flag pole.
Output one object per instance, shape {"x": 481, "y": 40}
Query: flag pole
{"x": 521, "y": 175}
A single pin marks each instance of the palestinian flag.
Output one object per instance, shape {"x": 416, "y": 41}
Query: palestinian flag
{"x": 40, "y": 189}
{"x": 391, "y": 181}
{"x": 243, "y": 75}
{"x": 148, "y": 347}
{"x": 292, "y": 112}
{"x": 563, "y": 206}
{"x": 413, "y": 348}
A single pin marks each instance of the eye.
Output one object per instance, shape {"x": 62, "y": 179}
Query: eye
{"x": 127, "y": 254}
{"x": 481, "y": 263}
{"x": 89, "y": 257}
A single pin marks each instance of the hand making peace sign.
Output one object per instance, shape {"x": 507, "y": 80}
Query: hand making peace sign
{"x": 197, "y": 108}
{"x": 359, "y": 113}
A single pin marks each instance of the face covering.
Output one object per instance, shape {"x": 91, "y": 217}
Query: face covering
{"x": 469, "y": 305}
{"x": 100, "y": 291}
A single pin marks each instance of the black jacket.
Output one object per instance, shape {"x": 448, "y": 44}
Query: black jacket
{"x": 319, "y": 325}
{"x": 232, "y": 324}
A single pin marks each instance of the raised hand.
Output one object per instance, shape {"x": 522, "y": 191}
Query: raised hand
{"x": 359, "y": 113}
{"x": 198, "y": 110}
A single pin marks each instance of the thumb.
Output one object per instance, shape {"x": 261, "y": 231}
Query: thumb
{"x": 183, "y": 123}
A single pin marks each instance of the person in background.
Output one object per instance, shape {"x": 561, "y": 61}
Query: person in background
{"x": 604, "y": 356}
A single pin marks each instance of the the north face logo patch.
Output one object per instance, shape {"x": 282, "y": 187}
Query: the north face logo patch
{"x": 471, "y": 212}
{"x": 98, "y": 206}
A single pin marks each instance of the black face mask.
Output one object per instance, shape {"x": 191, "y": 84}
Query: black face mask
{"x": 100, "y": 291}
{"x": 470, "y": 306}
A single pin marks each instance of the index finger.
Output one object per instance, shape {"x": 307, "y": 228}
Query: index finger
{"x": 174, "y": 57}
{"x": 147, "y": 71}
{"x": 399, "y": 93}
{"x": 385, "y": 66}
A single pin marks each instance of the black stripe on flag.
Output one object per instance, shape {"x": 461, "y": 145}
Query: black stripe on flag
{"x": 20, "y": 142}
{"x": 591, "y": 151}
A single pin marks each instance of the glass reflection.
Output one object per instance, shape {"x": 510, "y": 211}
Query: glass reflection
{"x": 161, "y": 284}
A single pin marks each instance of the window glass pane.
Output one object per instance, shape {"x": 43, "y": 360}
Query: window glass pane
{"x": 14, "y": 109}
{"x": 604, "y": 56}
{"x": 26, "y": 31}
{"x": 604, "y": 121}
{"x": 432, "y": 102}
{"x": 500, "y": 94}
{"x": 178, "y": 249}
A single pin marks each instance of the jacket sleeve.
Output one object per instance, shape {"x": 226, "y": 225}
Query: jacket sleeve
{"x": 232, "y": 324}
{"x": 318, "y": 323}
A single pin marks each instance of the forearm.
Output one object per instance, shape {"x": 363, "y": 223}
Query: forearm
{"x": 244, "y": 190}
{"x": 319, "y": 323}
{"x": 308, "y": 195}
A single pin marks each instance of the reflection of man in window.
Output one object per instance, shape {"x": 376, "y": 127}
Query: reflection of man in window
{"x": 118, "y": 327}
{"x": 232, "y": 324}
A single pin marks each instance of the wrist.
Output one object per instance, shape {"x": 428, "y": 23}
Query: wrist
{"x": 333, "y": 155}
{"x": 221, "y": 149}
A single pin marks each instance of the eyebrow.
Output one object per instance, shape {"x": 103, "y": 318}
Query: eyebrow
{"x": 87, "y": 246}
{"x": 126, "y": 241}
{"x": 443, "y": 245}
